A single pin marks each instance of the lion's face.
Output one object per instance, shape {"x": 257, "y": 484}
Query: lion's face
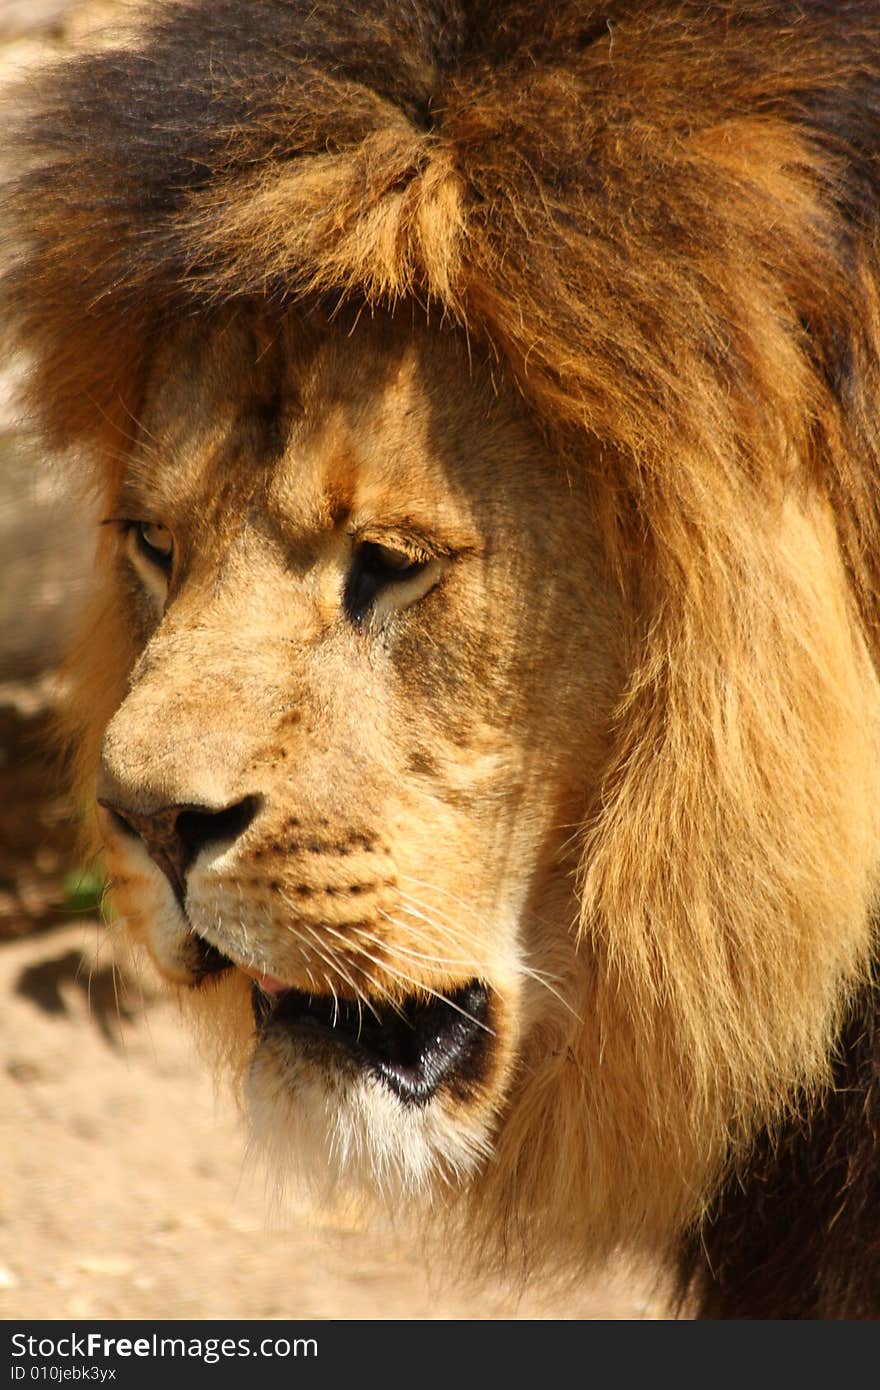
{"x": 373, "y": 659}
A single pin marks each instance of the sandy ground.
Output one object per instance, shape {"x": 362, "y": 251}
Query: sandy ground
{"x": 124, "y": 1193}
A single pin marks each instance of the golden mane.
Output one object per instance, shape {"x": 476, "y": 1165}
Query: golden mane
{"x": 662, "y": 220}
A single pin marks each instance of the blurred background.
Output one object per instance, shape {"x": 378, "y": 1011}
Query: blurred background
{"x": 124, "y": 1193}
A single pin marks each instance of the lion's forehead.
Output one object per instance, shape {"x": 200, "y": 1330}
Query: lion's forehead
{"x": 380, "y": 421}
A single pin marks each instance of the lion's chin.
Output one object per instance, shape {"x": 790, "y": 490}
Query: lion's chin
{"x": 385, "y": 1104}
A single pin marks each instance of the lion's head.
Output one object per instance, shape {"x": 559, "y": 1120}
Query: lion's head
{"x": 367, "y": 663}
{"x": 480, "y": 692}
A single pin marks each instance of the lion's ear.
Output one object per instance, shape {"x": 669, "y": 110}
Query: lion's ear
{"x": 729, "y": 876}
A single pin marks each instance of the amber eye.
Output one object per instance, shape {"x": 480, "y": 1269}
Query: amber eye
{"x": 155, "y": 543}
{"x": 374, "y": 568}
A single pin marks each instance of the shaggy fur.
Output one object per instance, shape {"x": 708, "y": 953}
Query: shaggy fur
{"x": 662, "y": 220}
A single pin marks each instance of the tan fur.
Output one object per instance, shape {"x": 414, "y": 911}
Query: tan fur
{"x": 621, "y": 760}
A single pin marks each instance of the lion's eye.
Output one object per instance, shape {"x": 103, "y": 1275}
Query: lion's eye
{"x": 155, "y": 543}
{"x": 388, "y": 564}
{"x": 376, "y": 567}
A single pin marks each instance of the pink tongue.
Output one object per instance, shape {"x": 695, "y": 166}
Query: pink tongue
{"x": 269, "y": 985}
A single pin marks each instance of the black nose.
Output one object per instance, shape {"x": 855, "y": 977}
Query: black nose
{"x": 175, "y": 835}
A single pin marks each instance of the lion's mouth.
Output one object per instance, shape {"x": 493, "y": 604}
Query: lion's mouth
{"x": 413, "y": 1048}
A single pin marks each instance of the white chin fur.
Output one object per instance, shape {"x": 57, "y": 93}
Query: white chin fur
{"x": 342, "y": 1133}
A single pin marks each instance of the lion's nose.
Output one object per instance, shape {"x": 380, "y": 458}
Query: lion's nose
{"x": 175, "y": 835}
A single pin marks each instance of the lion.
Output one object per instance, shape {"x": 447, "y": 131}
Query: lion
{"x": 479, "y": 699}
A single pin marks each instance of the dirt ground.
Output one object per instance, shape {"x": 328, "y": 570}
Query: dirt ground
{"x": 124, "y": 1191}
